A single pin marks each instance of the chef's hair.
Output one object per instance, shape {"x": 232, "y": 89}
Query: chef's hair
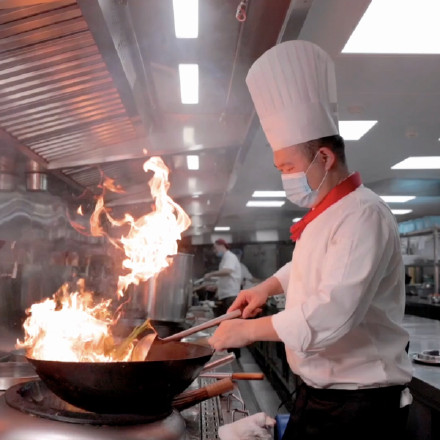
{"x": 222, "y": 242}
{"x": 334, "y": 143}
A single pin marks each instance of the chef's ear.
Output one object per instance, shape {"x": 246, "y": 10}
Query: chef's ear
{"x": 328, "y": 157}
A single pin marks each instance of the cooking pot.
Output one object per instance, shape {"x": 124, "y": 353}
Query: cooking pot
{"x": 166, "y": 296}
{"x": 146, "y": 387}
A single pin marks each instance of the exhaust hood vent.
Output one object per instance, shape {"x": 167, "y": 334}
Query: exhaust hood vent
{"x": 36, "y": 177}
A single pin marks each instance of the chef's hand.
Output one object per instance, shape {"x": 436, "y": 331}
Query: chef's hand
{"x": 234, "y": 333}
{"x": 207, "y": 276}
{"x": 250, "y": 302}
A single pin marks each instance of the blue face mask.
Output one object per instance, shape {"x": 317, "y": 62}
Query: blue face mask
{"x": 297, "y": 187}
{"x": 220, "y": 254}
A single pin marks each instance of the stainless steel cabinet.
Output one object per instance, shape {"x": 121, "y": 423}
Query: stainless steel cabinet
{"x": 421, "y": 255}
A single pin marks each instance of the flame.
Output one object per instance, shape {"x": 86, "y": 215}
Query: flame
{"x": 69, "y": 326}
{"x": 79, "y": 210}
{"x": 153, "y": 237}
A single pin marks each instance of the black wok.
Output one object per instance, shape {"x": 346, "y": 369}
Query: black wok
{"x": 146, "y": 387}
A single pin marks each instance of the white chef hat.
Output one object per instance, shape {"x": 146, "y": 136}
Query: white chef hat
{"x": 293, "y": 87}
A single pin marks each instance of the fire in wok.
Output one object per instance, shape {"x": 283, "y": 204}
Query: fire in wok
{"x": 69, "y": 338}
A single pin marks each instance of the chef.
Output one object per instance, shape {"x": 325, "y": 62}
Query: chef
{"x": 228, "y": 275}
{"x": 345, "y": 286}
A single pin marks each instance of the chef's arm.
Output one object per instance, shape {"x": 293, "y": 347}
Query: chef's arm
{"x": 218, "y": 273}
{"x": 356, "y": 260}
{"x": 282, "y": 275}
{"x": 271, "y": 286}
{"x": 262, "y": 329}
{"x": 235, "y": 333}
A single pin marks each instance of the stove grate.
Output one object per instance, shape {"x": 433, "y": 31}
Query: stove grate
{"x": 210, "y": 417}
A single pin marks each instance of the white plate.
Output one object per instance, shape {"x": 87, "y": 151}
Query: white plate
{"x": 415, "y": 357}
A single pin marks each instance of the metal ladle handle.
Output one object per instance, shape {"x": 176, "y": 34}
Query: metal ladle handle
{"x": 203, "y": 326}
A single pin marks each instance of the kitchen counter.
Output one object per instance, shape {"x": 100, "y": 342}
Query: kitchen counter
{"x": 424, "y": 417}
{"x": 425, "y": 385}
{"x": 422, "y": 307}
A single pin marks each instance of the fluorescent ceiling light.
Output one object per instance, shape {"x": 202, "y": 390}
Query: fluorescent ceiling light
{"x": 265, "y": 203}
{"x": 397, "y": 26}
{"x": 192, "y": 162}
{"x": 397, "y": 199}
{"x": 222, "y": 228}
{"x": 296, "y": 219}
{"x": 354, "y": 130}
{"x": 186, "y": 18}
{"x": 401, "y": 211}
{"x": 188, "y": 136}
{"x": 418, "y": 163}
{"x": 269, "y": 194}
{"x": 189, "y": 83}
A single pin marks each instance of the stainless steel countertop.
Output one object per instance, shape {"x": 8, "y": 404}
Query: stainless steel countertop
{"x": 424, "y": 335}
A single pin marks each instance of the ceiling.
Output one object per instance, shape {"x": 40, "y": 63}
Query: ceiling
{"x": 87, "y": 86}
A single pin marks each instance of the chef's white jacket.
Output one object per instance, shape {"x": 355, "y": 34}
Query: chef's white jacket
{"x": 229, "y": 285}
{"x": 345, "y": 298}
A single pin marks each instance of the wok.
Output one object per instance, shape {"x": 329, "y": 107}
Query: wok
{"x": 146, "y": 387}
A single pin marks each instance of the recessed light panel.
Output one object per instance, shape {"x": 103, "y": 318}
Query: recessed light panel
{"x": 354, "y": 130}
{"x": 397, "y": 26}
{"x": 401, "y": 211}
{"x": 189, "y": 83}
{"x": 269, "y": 194}
{"x": 397, "y": 199}
{"x": 192, "y": 162}
{"x": 265, "y": 203}
{"x": 222, "y": 228}
{"x": 186, "y": 18}
{"x": 188, "y": 136}
{"x": 418, "y": 163}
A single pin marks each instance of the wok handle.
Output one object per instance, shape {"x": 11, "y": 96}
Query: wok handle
{"x": 203, "y": 326}
{"x": 190, "y": 398}
{"x": 234, "y": 376}
{"x": 219, "y": 362}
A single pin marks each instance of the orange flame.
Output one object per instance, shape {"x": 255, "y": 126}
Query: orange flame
{"x": 153, "y": 237}
{"x": 79, "y": 210}
{"x": 69, "y": 327}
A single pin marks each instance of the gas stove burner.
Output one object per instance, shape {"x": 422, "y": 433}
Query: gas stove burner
{"x": 35, "y": 398}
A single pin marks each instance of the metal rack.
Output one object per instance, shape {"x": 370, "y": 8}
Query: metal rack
{"x": 435, "y": 264}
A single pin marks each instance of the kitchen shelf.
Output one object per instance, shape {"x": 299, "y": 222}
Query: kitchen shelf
{"x": 435, "y": 263}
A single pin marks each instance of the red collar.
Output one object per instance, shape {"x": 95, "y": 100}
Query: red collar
{"x": 338, "y": 192}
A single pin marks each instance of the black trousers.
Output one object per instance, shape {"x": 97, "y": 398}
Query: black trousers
{"x": 372, "y": 414}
